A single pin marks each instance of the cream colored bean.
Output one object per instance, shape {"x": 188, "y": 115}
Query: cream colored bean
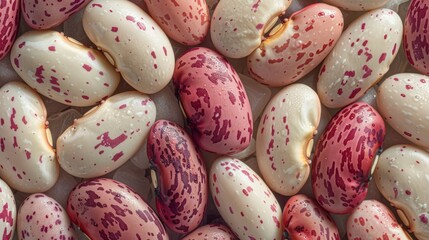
{"x": 63, "y": 69}
{"x": 285, "y": 138}
{"x": 27, "y": 159}
{"x": 133, "y": 42}
{"x": 106, "y": 136}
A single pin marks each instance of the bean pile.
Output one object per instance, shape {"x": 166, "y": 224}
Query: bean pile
{"x": 208, "y": 119}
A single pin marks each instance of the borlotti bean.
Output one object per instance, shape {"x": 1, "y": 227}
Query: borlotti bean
{"x": 179, "y": 176}
{"x": 237, "y": 27}
{"x": 416, "y": 35}
{"x": 8, "y": 212}
{"x": 63, "y": 69}
{"x": 49, "y": 13}
{"x": 304, "y": 219}
{"x": 106, "y": 136}
{"x": 360, "y": 58}
{"x": 372, "y": 220}
{"x": 402, "y": 176}
{"x": 132, "y": 41}
{"x": 41, "y": 217}
{"x": 345, "y": 157}
{"x": 27, "y": 159}
{"x": 285, "y": 138}
{"x": 244, "y": 200}
{"x": 298, "y": 46}
{"x": 214, "y": 101}
{"x": 9, "y": 22}
{"x": 106, "y": 209}
{"x": 403, "y": 101}
{"x": 187, "y": 22}
{"x": 357, "y": 5}
{"x": 211, "y": 231}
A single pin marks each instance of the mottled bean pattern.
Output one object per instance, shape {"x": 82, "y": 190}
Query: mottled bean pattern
{"x": 187, "y": 22}
{"x": 304, "y": 219}
{"x": 214, "y": 101}
{"x": 49, "y": 13}
{"x": 41, "y": 217}
{"x": 301, "y": 44}
{"x": 344, "y": 156}
{"x": 181, "y": 176}
{"x": 9, "y": 22}
{"x": 109, "y": 210}
{"x": 416, "y": 35}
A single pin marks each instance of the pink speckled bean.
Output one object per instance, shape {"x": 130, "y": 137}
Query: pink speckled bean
{"x": 360, "y": 58}
{"x": 304, "y": 219}
{"x": 301, "y": 43}
{"x": 106, "y": 136}
{"x": 416, "y": 35}
{"x": 41, "y": 217}
{"x": 132, "y": 41}
{"x": 180, "y": 176}
{"x": 285, "y": 138}
{"x": 214, "y": 231}
{"x": 214, "y": 101}
{"x": 49, "y": 13}
{"x": 372, "y": 220}
{"x": 106, "y": 209}
{"x": 357, "y": 5}
{"x": 27, "y": 159}
{"x": 8, "y": 212}
{"x": 187, "y": 22}
{"x": 244, "y": 200}
{"x": 402, "y": 176}
{"x": 9, "y": 22}
{"x": 403, "y": 101}
{"x": 345, "y": 156}
{"x": 63, "y": 69}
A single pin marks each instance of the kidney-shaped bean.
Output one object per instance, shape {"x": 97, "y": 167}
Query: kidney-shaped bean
{"x": 106, "y": 136}
{"x": 133, "y": 42}
{"x": 237, "y": 27}
{"x": 187, "y": 22}
{"x": 41, "y": 217}
{"x": 211, "y": 231}
{"x": 49, "y": 13}
{"x": 9, "y": 22}
{"x": 27, "y": 159}
{"x": 416, "y": 33}
{"x": 214, "y": 101}
{"x": 345, "y": 157}
{"x": 304, "y": 219}
{"x": 8, "y": 214}
{"x": 372, "y": 220}
{"x": 357, "y": 5}
{"x": 403, "y": 101}
{"x": 180, "y": 176}
{"x": 301, "y": 43}
{"x": 402, "y": 176}
{"x": 360, "y": 58}
{"x": 63, "y": 69}
{"x": 244, "y": 200}
{"x": 285, "y": 138}
{"x": 103, "y": 208}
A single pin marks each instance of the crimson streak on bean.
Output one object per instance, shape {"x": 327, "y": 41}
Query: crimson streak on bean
{"x": 214, "y": 101}
{"x": 304, "y": 219}
{"x": 9, "y": 22}
{"x": 181, "y": 176}
{"x": 344, "y": 157}
{"x": 49, "y": 13}
{"x": 109, "y": 210}
{"x": 416, "y": 35}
